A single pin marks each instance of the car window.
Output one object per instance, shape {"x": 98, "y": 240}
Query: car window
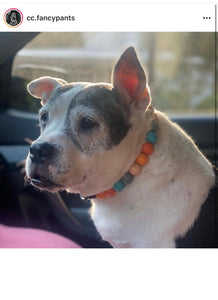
{"x": 180, "y": 66}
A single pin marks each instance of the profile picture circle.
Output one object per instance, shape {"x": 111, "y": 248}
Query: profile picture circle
{"x": 13, "y": 17}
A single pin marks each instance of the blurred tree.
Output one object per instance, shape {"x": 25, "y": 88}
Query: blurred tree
{"x": 180, "y": 65}
{"x": 200, "y": 44}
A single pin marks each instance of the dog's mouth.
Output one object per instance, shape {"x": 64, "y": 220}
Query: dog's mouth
{"x": 43, "y": 183}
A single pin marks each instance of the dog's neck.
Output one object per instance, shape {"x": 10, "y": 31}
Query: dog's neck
{"x": 141, "y": 160}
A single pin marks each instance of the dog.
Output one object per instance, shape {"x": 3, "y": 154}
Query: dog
{"x": 13, "y": 19}
{"x": 146, "y": 177}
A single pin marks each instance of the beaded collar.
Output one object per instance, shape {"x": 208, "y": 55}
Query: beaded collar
{"x": 141, "y": 160}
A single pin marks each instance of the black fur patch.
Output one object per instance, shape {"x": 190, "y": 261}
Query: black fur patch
{"x": 110, "y": 109}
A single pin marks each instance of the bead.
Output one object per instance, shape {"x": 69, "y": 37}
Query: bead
{"x": 127, "y": 178}
{"x": 119, "y": 185}
{"x": 142, "y": 159}
{"x": 147, "y": 148}
{"x": 151, "y": 137}
{"x": 101, "y": 195}
{"x": 110, "y": 193}
{"x": 135, "y": 169}
{"x": 154, "y": 126}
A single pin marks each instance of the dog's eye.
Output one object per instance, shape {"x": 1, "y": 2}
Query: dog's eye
{"x": 87, "y": 124}
{"x": 43, "y": 118}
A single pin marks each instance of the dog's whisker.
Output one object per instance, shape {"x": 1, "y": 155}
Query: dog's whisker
{"x": 21, "y": 163}
{"x": 28, "y": 140}
{"x": 27, "y": 181}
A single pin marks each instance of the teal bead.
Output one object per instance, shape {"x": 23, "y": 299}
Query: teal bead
{"x": 119, "y": 185}
{"x": 151, "y": 137}
{"x": 127, "y": 178}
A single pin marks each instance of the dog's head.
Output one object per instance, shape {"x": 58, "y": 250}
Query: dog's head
{"x": 90, "y": 133}
{"x": 13, "y": 19}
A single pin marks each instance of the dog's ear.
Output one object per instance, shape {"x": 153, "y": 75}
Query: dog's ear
{"x": 129, "y": 77}
{"x": 43, "y": 87}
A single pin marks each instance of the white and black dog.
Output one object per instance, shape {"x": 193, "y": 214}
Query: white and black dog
{"x": 148, "y": 177}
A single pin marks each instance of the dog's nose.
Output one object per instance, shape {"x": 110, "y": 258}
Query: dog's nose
{"x": 39, "y": 152}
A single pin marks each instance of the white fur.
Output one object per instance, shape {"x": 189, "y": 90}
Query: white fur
{"x": 162, "y": 202}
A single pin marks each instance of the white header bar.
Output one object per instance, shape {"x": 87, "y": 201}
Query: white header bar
{"x": 98, "y": 17}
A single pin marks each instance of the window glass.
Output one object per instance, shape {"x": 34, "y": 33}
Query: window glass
{"x": 180, "y": 66}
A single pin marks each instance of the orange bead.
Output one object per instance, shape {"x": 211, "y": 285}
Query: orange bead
{"x": 142, "y": 159}
{"x": 110, "y": 193}
{"x": 135, "y": 169}
{"x": 101, "y": 195}
{"x": 147, "y": 148}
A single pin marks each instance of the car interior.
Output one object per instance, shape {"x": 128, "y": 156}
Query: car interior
{"x": 22, "y": 205}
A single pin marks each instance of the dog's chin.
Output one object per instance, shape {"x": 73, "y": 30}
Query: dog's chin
{"x": 44, "y": 184}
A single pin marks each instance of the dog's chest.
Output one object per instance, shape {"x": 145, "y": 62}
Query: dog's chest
{"x": 125, "y": 221}
{"x": 113, "y": 222}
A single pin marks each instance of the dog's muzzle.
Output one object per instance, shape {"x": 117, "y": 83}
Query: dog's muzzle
{"x": 41, "y": 155}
